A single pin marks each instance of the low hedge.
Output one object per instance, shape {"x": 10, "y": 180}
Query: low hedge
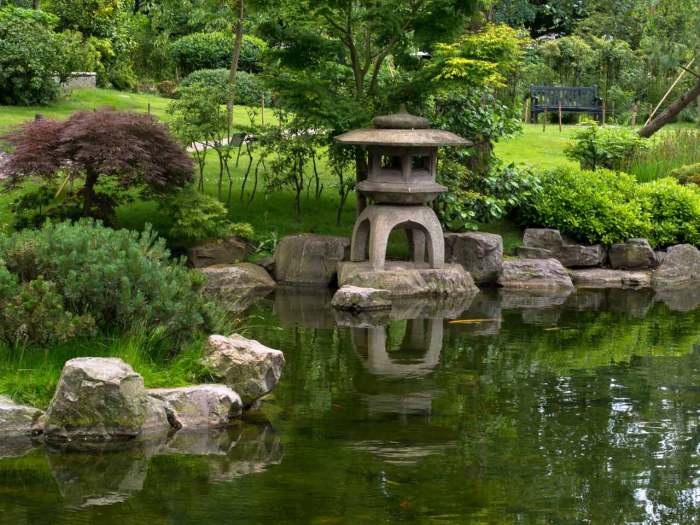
{"x": 607, "y": 207}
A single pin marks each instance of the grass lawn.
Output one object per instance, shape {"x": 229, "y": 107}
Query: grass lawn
{"x": 540, "y": 149}
{"x": 272, "y": 214}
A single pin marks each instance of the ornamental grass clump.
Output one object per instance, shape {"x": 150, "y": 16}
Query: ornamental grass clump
{"x": 111, "y": 281}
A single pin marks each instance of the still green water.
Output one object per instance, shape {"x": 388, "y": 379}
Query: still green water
{"x": 548, "y": 410}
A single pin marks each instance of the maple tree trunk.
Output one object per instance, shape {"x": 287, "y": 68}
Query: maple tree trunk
{"x": 670, "y": 112}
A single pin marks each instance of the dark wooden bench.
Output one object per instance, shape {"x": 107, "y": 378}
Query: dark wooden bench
{"x": 571, "y": 99}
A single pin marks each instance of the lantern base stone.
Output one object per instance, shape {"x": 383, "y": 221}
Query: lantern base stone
{"x": 408, "y": 279}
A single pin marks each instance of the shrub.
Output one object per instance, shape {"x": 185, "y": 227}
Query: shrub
{"x": 590, "y": 206}
{"x": 608, "y": 207}
{"x": 33, "y": 313}
{"x": 29, "y": 56}
{"x": 121, "y": 280}
{"x": 197, "y": 217}
{"x": 609, "y": 148}
{"x": 689, "y": 174}
{"x": 673, "y": 211}
{"x": 213, "y": 50}
{"x": 476, "y": 199}
{"x": 115, "y": 154}
{"x": 249, "y": 88}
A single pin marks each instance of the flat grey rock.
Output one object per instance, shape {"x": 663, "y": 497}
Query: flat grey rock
{"x": 404, "y": 279}
{"x": 606, "y": 278}
{"x": 356, "y": 298}
{"x": 17, "y": 419}
{"x": 534, "y": 274}
{"x": 199, "y": 406}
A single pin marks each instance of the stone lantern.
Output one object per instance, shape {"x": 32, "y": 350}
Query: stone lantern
{"x": 402, "y": 151}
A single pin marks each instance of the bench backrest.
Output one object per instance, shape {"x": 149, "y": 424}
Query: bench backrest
{"x": 552, "y": 96}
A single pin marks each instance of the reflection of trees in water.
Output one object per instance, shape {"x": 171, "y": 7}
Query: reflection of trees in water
{"x": 579, "y": 408}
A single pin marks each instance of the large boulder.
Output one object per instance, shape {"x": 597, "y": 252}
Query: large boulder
{"x": 200, "y": 406}
{"x": 546, "y": 243}
{"x": 238, "y": 279}
{"x": 635, "y": 254}
{"x": 101, "y": 399}
{"x": 219, "y": 251}
{"x": 480, "y": 253}
{"x": 606, "y": 278}
{"x": 356, "y": 298}
{"x": 245, "y": 365}
{"x": 534, "y": 274}
{"x": 408, "y": 279}
{"x": 310, "y": 260}
{"x": 16, "y": 419}
{"x": 680, "y": 267}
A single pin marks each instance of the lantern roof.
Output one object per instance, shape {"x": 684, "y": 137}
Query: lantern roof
{"x": 401, "y": 129}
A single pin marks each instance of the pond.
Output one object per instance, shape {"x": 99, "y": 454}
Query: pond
{"x": 579, "y": 409}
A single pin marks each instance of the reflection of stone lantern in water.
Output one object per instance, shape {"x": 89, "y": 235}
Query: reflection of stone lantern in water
{"x": 422, "y": 335}
{"x": 402, "y": 167}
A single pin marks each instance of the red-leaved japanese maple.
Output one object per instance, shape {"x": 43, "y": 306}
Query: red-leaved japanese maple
{"x": 123, "y": 149}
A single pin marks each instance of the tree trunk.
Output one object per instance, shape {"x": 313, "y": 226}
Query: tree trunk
{"x": 234, "y": 67}
{"x": 671, "y": 112}
{"x": 89, "y": 192}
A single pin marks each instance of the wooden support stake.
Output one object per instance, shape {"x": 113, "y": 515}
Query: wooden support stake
{"x": 663, "y": 99}
{"x": 544, "y": 120}
{"x": 149, "y": 108}
{"x": 560, "y": 116}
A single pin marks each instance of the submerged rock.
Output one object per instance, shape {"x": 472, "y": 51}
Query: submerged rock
{"x": 102, "y": 399}
{"x": 481, "y": 254}
{"x": 16, "y": 419}
{"x": 680, "y": 267}
{"x": 356, "y": 298}
{"x": 245, "y": 365}
{"x": 605, "y": 278}
{"x": 403, "y": 279}
{"x": 199, "y": 406}
{"x": 535, "y": 274}
{"x": 219, "y": 251}
{"x": 310, "y": 260}
{"x": 635, "y": 254}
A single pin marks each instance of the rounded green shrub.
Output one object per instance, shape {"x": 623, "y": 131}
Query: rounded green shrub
{"x": 590, "y": 206}
{"x": 673, "y": 211}
{"x": 117, "y": 280}
{"x": 249, "y": 89}
{"x": 608, "y": 148}
{"x": 198, "y": 217}
{"x": 213, "y": 50}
